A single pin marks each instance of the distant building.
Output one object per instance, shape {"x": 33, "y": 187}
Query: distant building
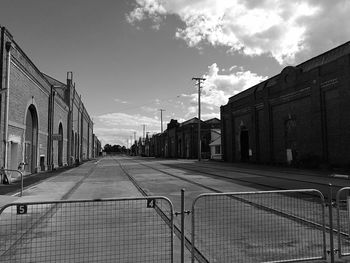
{"x": 300, "y": 116}
{"x": 180, "y": 140}
{"x": 97, "y": 147}
{"x": 44, "y": 123}
{"x": 215, "y": 144}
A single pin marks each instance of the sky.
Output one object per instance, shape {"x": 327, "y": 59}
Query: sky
{"x": 131, "y": 58}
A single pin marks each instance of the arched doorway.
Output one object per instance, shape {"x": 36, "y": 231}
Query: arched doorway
{"x": 76, "y": 145}
{"x": 244, "y": 139}
{"x": 72, "y": 152}
{"x": 291, "y": 139}
{"x": 31, "y": 140}
{"x": 60, "y": 145}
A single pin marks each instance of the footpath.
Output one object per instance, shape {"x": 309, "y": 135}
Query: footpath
{"x": 45, "y": 186}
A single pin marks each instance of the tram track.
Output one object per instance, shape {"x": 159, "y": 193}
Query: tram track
{"x": 197, "y": 254}
{"x": 275, "y": 177}
{"x": 263, "y": 186}
{"x": 299, "y": 219}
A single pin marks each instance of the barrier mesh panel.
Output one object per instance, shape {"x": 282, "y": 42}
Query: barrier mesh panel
{"x": 125, "y": 230}
{"x": 259, "y": 227}
{"x": 343, "y": 221}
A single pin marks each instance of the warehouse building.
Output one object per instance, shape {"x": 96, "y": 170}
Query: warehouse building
{"x": 180, "y": 140}
{"x": 299, "y": 117}
{"x": 44, "y": 123}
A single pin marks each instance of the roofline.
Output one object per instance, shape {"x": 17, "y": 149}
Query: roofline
{"x": 13, "y": 41}
{"x": 297, "y": 66}
{"x": 48, "y": 76}
{"x": 215, "y": 118}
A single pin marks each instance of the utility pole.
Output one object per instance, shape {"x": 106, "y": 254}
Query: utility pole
{"x": 199, "y": 82}
{"x": 161, "y": 120}
{"x": 144, "y": 128}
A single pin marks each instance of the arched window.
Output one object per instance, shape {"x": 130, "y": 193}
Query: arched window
{"x": 31, "y": 140}
{"x": 60, "y": 145}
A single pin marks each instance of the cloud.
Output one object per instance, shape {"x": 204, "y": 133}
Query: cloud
{"x": 121, "y": 101}
{"x": 149, "y": 109}
{"x": 286, "y": 30}
{"x": 210, "y": 115}
{"x": 147, "y": 9}
{"x": 119, "y": 128}
{"x": 217, "y": 87}
{"x": 127, "y": 120}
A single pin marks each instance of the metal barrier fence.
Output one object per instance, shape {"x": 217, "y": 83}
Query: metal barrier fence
{"x": 109, "y": 230}
{"x": 6, "y": 176}
{"x": 268, "y": 226}
{"x": 343, "y": 221}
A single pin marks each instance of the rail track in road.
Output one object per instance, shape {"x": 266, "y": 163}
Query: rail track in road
{"x": 170, "y": 168}
{"x": 324, "y": 188}
{"x": 198, "y": 255}
{"x": 319, "y": 225}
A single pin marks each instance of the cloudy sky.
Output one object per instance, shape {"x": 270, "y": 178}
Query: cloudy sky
{"x": 131, "y": 58}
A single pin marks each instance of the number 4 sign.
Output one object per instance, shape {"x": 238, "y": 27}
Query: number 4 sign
{"x": 151, "y": 203}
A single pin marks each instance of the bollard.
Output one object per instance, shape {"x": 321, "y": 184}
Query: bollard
{"x": 182, "y": 225}
{"x": 183, "y": 212}
{"x": 331, "y": 241}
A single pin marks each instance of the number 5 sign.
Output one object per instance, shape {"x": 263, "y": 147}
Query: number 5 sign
{"x": 22, "y": 209}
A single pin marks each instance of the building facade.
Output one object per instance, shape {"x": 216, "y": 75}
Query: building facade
{"x": 44, "y": 123}
{"x": 300, "y": 116}
{"x": 180, "y": 140}
{"x": 215, "y": 144}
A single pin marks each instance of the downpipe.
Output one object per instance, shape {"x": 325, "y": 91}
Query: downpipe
{"x": 7, "y": 101}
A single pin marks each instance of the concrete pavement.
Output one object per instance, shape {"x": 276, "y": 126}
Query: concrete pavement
{"x": 96, "y": 180}
{"x": 91, "y": 180}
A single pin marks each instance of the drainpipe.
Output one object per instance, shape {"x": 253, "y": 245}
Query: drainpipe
{"x": 7, "y": 101}
{"x": 50, "y": 129}
{"x": 70, "y": 118}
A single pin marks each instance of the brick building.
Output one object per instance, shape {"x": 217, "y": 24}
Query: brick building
{"x": 180, "y": 140}
{"x": 44, "y": 123}
{"x": 300, "y": 116}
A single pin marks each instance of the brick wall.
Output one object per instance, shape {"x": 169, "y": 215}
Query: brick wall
{"x": 29, "y": 88}
{"x": 301, "y": 110}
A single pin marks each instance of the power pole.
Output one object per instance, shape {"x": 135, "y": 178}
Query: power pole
{"x": 144, "y": 128}
{"x": 161, "y": 120}
{"x": 199, "y": 82}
